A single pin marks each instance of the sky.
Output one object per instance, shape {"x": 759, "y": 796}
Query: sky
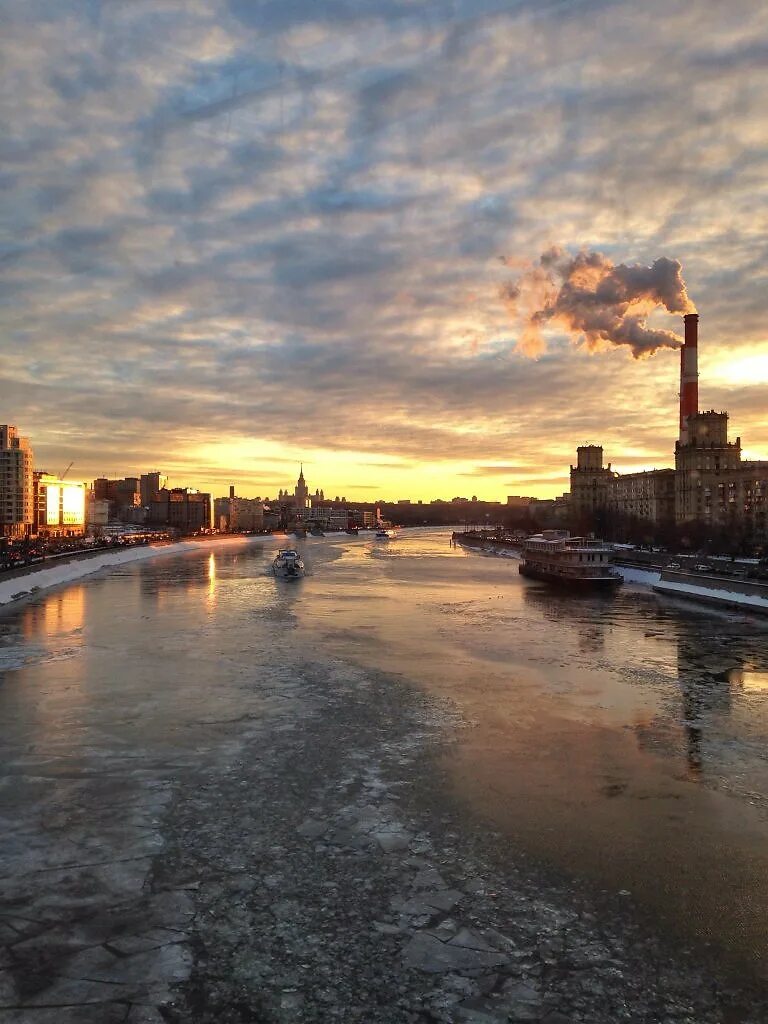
{"x": 241, "y": 234}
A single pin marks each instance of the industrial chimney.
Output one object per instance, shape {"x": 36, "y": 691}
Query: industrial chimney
{"x": 689, "y": 374}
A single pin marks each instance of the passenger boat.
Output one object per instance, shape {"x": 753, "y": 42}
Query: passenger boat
{"x": 288, "y": 564}
{"x": 556, "y": 557}
{"x": 384, "y": 534}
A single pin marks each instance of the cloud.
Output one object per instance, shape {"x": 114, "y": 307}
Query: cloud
{"x": 279, "y": 224}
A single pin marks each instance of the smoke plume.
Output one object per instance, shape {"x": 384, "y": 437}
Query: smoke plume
{"x": 598, "y": 302}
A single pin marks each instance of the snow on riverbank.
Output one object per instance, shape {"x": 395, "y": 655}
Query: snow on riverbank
{"x": 712, "y": 596}
{"x": 632, "y": 574}
{"x": 43, "y": 579}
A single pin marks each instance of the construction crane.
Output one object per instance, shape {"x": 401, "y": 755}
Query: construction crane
{"x": 66, "y": 470}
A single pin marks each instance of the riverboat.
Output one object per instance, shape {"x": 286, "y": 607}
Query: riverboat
{"x": 384, "y": 534}
{"x": 288, "y": 564}
{"x": 556, "y": 557}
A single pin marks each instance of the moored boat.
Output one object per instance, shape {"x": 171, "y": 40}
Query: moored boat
{"x": 556, "y": 557}
{"x": 288, "y": 564}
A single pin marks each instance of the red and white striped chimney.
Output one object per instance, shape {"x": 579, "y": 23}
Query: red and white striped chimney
{"x": 689, "y": 374}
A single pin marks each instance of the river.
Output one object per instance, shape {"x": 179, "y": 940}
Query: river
{"x": 616, "y": 745}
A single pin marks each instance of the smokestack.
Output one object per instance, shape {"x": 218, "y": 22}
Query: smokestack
{"x": 231, "y": 491}
{"x": 689, "y": 374}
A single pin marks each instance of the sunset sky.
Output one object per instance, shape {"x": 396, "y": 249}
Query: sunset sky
{"x": 239, "y": 234}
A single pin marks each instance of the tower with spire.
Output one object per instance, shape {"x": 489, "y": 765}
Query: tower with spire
{"x": 301, "y": 491}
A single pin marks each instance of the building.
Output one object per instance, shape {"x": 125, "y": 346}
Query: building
{"x": 589, "y": 480}
{"x": 326, "y": 517}
{"x": 248, "y": 515}
{"x": 709, "y": 484}
{"x": 181, "y": 508}
{"x": 649, "y": 494}
{"x": 150, "y": 485}
{"x": 59, "y": 507}
{"x": 17, "y": 496}
{"x": 96, "y": 512}
{"x": 712, "y": 484}
{"x": 301, "y": 491}
{"x": 221, "y": 512}
{"x": 238, "y": 515}
{"x": 122, "y": 495}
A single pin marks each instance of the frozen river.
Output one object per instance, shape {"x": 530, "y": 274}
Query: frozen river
{"x": 171, "y": 733}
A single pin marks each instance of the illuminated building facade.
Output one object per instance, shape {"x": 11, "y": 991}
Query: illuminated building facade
{"x": 16, "y": 484}
{"x": 60, "y": 507}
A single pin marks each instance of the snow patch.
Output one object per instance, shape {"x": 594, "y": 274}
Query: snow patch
{"x": 633, "y": 574}
{"x": 746, "y": 601}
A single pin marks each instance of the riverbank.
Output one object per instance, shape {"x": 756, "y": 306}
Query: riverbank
{"x": 32, "y": 580}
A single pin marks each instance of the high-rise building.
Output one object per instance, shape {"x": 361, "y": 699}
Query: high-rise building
{"x": 16, "y": 483}
{"x": 301, "y": 491}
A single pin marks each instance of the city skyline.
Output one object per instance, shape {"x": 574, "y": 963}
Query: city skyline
{"x": 241, "y": 243}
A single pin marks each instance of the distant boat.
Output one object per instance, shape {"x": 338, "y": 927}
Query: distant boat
{"x": 288, "y": 564}
{"x": 316, "y": 532}
{"x": 384, "y": 534}
{"x": 352, "y": 531}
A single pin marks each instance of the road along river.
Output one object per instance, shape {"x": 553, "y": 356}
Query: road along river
{"x": 410, "y": 787}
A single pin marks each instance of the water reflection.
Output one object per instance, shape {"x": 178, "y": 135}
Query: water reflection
{"x": 748, "y": 678}
{"x": 211, "y": 601}
{"x": 62, "y": 611}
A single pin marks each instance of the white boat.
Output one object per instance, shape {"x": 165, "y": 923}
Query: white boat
{"x": 557, "y": 557}
{"x": 288, "y": 564}
{"x": 383, "y": 534}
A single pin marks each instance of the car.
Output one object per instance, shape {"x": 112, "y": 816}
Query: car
{"x": 673, "y": 565}
{"x": 701, "y": 567}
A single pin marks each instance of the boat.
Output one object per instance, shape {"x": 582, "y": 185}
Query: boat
{"x": 316, "y": 532}
{"x": 556, "y": 557}
{"x": 384, "y": 534}
{"x": 288, "y": 564}
{"x": 353, "y": 531}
